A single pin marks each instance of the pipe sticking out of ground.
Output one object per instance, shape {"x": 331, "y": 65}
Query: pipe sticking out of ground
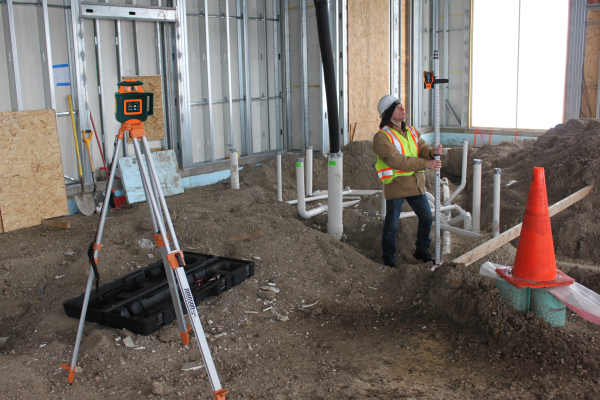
{"x": 233, "y": 163}
{"x": 309, "y": 171}
{"x": 496, "y": 205}
{"x": 279, "y": 189}
{"x": 476, "y": 195}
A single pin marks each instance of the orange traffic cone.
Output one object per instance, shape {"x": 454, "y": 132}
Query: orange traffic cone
{"x": 535, "y": 263}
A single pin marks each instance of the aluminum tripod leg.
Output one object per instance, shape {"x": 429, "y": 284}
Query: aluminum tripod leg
{"x": 88, "y": 289}
{"x": 188, "y": 297}
{"x": 183, "y": 329}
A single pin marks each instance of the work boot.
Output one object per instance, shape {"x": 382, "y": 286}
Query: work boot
{"x": 422, "y": 255}
{"x": 390, "y": 264}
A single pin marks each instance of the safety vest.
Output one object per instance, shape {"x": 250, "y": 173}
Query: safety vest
{"x": 409, "y": 148}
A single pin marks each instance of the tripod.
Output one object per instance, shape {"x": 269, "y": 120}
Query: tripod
{"x": 132, "y": 100}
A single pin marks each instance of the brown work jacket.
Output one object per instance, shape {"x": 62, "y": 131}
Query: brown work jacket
{"x": 403, "y": 186}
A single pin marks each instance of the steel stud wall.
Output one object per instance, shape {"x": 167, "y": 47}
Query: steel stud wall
{"x": 240, "y": 74}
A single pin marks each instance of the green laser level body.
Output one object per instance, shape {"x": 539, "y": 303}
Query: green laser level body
{"x": 132, "y": 103}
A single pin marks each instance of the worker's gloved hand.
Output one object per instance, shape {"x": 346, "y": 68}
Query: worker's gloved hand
{"x": 435, "y": 165}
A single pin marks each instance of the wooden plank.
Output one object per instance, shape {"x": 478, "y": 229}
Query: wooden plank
{"x": 166, "y": 167}
{"x": 368, "y": 64}
{"x": 56, "y": 224}
{"x": 514, "y": 232}
{"x": 155, "y": 124}
{"x": 31, "y": 175}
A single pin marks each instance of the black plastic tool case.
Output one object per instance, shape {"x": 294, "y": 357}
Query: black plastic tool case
{"x": 141, "y": 301}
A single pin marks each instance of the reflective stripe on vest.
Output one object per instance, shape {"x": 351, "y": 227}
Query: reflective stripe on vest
{"x": 387, "y": 174}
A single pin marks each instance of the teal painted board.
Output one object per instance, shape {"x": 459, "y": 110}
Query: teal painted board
{"x": 166, "y": 168}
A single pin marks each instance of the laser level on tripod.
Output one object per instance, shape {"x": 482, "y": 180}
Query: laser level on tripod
{"x": 132, "y": 108}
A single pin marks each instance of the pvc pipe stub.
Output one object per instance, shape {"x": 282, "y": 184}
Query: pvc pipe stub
{"x": 300, "y": 160}
{"x": 309, "y": 147}
{"x": 335, "y": 155}
{"x": 477, "y": 161}
{"x": 497, "y": 171}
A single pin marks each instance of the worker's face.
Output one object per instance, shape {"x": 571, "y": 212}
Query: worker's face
{"x": 399, "y": 112}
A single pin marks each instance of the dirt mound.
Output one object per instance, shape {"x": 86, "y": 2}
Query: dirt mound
{"x": 472, "y": 300}
{"x": 568, "y": 153}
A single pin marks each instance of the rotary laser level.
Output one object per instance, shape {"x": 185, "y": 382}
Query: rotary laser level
{"x": 132, "y": 103}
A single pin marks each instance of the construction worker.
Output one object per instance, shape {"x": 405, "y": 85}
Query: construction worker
{"x": 402, "y": 157}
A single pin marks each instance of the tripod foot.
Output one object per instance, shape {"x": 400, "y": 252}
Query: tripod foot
{"x": 71, "y": 372}
{"x": 220, "y": 394}
{"x": 185, "y": 336}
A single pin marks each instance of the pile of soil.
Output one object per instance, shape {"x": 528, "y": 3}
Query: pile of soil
{"x": 342, "y": 326}
{"x": 568, "y": 153}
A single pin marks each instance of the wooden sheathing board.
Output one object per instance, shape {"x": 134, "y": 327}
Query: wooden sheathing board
{"x": 368, "y": 64}
{"x": 590, "y": 66}
{"x": 32, "y": 186}
{"x": 155, "y": 124}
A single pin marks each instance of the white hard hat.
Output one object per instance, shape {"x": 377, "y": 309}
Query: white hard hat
{"x": 384, "y": 103}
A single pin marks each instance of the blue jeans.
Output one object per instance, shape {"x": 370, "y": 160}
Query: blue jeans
{"x": 420, "y": 206}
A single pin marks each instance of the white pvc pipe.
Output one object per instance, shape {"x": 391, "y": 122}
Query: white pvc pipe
{"x": 335, "y": 183}
{"x": 233, "y": 164}
{"x": 279, "y": 189}
{"x": 463, "y": 176}
{"x": 309, "y": 170}
{"x": 454, "y": 207}
{"x": 383, "y": 204}
{"x": 476, "y": 195}
{"x": 496, "y": 207}
{"x": 347, "y": 192}
{"x": 446, "y": 245}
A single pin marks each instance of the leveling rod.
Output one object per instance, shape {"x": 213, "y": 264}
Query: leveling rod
{"x": 431, "y": 82}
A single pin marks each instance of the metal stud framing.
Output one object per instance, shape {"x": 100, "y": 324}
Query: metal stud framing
{"x": 575, "y": 58}
{"x": 304, "y": 62}
{"x": 466, "y": 83}
{"x": 10, "y": 44}
{"x": 46, "y": 51}
{"x": 272, "y": 91}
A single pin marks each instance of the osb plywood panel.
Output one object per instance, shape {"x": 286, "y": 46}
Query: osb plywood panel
{"x": 590, "y": 66}
{"x": 368, "y": 64}
{"x": 155, "y": 124}
{"x": 32, "y": 187}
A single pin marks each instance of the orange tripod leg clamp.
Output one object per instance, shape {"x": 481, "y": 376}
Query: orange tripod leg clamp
{"x": 159, "y": 240}
{"x": 175, "y": 259}
{"x": 220, "y": 394}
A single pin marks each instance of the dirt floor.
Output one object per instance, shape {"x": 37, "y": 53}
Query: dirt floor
{"x": 342, "y": 326}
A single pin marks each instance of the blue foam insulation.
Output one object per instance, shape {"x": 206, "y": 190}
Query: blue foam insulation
{"x": 475, "y": 140}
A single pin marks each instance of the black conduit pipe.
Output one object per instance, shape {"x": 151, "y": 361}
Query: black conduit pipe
{"x": 329, "y": 74}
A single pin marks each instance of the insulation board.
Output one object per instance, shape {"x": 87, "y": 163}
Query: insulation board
{"x": 166, "y": 167}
